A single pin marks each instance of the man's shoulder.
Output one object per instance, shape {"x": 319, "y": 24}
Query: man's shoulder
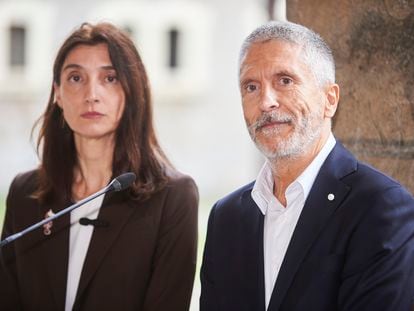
{"x": 372, "y": 187}
{"x": 228, "y": 211}
{"x": 373, "y": 178}
{"x": 360, "y": 175}
{"x": 236, "y": 197}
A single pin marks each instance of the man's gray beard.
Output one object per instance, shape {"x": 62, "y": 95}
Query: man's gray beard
{"x": 303, "y": 136}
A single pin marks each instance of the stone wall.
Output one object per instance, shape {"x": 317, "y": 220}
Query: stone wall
{"x": 373, "y": 44}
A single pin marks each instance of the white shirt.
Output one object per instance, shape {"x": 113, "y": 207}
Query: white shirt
{"x": 80, "y": 237}
{"x": 280, "y": 221}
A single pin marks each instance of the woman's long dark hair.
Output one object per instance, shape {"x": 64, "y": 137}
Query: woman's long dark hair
{"x": 136, "y": 146}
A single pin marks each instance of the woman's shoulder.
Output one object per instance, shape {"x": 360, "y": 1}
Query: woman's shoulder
{"x": 25, "y": 181}
{"x": 177, "y": 179}
{"x": 180, "y": 195}
{"x": 180, "y": 187}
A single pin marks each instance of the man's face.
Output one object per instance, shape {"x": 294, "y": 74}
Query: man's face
{"x": 283, "y": 105}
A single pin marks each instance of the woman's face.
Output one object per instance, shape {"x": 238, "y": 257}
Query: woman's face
{"x": 90, "y": 95}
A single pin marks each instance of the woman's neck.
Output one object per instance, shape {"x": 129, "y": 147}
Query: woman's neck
{"x": 94, "y": 166}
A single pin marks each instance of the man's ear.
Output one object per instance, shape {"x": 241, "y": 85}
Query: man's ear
{"x": 332, "y": 99}
{"x": 57, "y": 98}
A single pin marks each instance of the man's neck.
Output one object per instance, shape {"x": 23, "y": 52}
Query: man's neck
{"x": 286, "y": 170}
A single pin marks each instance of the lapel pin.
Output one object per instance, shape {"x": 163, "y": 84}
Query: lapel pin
{"x": 331, "y": 197}
{"x": 48, "y": 226}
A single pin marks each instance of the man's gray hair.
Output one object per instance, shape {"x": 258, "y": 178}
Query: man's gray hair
{"x": 316, "y": 51}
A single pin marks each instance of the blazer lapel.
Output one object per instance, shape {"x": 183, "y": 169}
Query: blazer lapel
{"x": 116, "y": 213}
{"x": 315, "y": 214}
{"x": 252, "y": 243}
{"x": 55, "y": 253}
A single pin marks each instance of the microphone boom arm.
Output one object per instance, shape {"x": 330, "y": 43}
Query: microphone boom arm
{"x": 117, "y": 184}
{"x": 17, "y": 235}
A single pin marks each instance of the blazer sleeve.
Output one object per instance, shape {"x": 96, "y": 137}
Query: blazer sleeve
{"x": 174, "y": 261}
{"x": 379, "y": 269}
{"x": 9, "y": 299}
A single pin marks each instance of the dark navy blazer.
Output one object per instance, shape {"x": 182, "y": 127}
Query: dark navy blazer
{"x": 355, "y": 252}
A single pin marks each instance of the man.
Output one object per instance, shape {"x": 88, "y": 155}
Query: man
{"x": 317, "y": 230}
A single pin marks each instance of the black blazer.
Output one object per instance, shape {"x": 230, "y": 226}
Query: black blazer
{"x": 143, "y": 260}
{"x": 353, "y": 253}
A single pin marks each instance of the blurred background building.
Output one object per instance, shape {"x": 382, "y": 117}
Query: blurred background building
{"x": 190, "y": 49}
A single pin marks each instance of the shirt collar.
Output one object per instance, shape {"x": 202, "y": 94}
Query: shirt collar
{"x": 262, "y": 192}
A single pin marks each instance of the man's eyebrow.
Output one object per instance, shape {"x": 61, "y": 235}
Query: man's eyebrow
{"x": 285, "y": 72}
{"x": 246, "y": 81}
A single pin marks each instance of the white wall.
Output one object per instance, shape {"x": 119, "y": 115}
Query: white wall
{"x": 22, "y": 92}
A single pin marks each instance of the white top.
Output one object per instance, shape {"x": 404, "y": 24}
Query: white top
{"x": 280, "y": 221}
{"x": 80, "y": 237}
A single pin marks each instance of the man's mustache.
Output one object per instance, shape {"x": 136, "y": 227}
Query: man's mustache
{"x": 271, "y": 117}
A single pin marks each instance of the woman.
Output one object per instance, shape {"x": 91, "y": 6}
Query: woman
{"x": 131, "y": 250}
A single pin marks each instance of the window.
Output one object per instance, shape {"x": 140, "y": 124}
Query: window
{"x": 17, "y": 46}
{"x": 173, "y": 37}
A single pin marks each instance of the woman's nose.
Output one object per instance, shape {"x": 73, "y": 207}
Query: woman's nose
{"x": 92, "y": 92}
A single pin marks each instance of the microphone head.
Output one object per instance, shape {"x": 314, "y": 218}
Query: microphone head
{"x": 122, "y": 181}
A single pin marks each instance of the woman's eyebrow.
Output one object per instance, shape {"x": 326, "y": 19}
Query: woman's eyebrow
{"x": 77, "y": 66}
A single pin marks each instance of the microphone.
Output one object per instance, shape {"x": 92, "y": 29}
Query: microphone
{"x": 119, "y": 183}
{"x": 122, "y": 182}
{"x": 97, "y": 223}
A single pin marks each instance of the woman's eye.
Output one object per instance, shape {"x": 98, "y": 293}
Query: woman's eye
{"x": 111, "y": 78}
{"x": 74, "y": 78}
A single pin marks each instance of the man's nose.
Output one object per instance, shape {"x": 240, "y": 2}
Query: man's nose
{"x": 269, "y": 100}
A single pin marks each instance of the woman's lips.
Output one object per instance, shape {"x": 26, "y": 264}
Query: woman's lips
{"x": 91, "y": 115}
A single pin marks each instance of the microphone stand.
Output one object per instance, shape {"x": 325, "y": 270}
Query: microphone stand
{"x": 11, "y": 238}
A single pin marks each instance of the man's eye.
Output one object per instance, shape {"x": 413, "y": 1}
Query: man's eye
{"x": 251, "y": 88}
{"x": 286, "y": 81}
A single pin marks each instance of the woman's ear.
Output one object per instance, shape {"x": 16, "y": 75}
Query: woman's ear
{"x": 332, "y": 99}
{"x": 57, "y": 98}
